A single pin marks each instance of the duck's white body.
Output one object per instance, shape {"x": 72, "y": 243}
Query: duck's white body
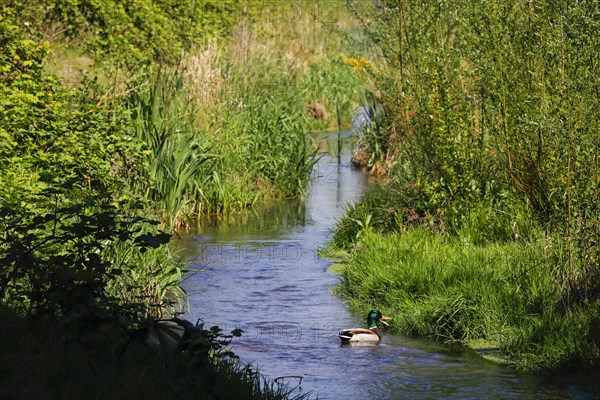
{"x": 362, "y": 335}
{"x": 359, "y": 335}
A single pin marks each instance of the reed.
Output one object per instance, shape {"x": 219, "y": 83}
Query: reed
{"x": 161, "y": 119}
{"x": 229, "y": 126}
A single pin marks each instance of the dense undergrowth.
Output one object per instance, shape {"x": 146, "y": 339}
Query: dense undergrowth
{"x": 47, "y": 360}
{"x": 487, "y": 130}
{"x": 120, "y": 122}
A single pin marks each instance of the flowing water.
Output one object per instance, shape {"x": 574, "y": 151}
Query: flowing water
{"x": 259, "y": 271}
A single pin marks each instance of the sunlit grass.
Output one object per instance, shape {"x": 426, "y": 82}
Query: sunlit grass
{"x": 230, "y": 126}
{"x": 506, "y": 294}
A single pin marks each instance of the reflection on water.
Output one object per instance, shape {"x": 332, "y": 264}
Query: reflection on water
{"x": 264, "y": 218}
{"x": 259, "y": 271}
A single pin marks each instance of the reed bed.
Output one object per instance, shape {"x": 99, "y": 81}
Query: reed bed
{"x": 230, "y": 124}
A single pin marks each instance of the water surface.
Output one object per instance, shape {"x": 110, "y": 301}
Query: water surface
{"x": 259, "y": 271}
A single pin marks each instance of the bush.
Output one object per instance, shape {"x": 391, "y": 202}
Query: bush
{"x": 55, "y": 259}
{"x": 497, "y": 128}
{"x": 129, "y": 32}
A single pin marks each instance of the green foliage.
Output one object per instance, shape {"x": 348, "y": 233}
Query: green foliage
{"x": 150, "y": 279}
{"x": 279, "y": 147}
{"x": 79, "y": 261}
{"x": 491, "y": 109}
{"x": 490, "y": 124}
{"x": 129, "y": 32}
{"x": 334, "y": 84}
{"x": 181, "y": 155}
{"x": 174, "y": 155}
{"x": 47, "y": 128}
{"x": 54, "y": 257}
{"x": 193, "y": 164}
{"x": 64, "y": 162}
{"x": 381, "y": 205}
{"x": 19, "y": 55}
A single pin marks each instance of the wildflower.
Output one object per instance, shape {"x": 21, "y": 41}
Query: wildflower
{"x": 359, "y": 64}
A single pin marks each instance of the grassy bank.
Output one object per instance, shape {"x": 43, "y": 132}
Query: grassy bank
{"x": 209, "y": 120}
{"x": 240, "y": 137}
{"x": 505, "y": 296}
{"x": 226, "y": 124}
{"x": 487, "y": 135}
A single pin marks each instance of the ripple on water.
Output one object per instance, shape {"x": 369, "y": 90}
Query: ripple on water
{"x": 286, "y": 288}
{"x": 252, "y": 280}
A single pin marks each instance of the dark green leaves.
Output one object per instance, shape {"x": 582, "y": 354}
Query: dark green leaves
{"x": 55, "y": 255}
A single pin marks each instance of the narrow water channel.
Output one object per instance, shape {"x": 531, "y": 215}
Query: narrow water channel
{"x": 259, "y": 271}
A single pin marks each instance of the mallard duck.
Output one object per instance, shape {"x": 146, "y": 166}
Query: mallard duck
{"x": 365, "y": 335}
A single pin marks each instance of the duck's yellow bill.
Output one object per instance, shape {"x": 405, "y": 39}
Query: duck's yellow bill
{"x": 383, "y": 319}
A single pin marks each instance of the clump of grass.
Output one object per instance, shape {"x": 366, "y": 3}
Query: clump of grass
{"x": 154, "y": 282}
{"x": 451, "y": 290}
{"x": 201, "y": 159}
{"x": 174, "y": 155}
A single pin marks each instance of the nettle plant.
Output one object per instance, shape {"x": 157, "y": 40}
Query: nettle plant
{"x": 53, "y": 254}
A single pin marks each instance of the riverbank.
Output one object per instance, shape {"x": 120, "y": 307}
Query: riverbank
{"x": 122, "y": 122}
{"x": 207, "y": 121}
{"x": 492, "y": 171}
{"x": 48, "y": 360}
{"x": 266, "y": 261}
{"x": 499, "y": 299}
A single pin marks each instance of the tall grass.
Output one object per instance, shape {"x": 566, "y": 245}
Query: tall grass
{"x": 162, "y": 121}
{"x": 253, "y": 149}
{"x": 506, "y": 294}
{"x": 151, "y": 278}
{"x": 229, "y": 126}
{"x": 500, "y": 93}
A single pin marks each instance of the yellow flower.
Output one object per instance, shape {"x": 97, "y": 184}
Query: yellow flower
{"x": 359, "y": 64}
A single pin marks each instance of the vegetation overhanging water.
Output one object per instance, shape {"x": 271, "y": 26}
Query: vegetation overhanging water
{"x": 482, "y": 117}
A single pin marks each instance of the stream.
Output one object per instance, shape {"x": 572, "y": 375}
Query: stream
{"x": 259, "y": 271}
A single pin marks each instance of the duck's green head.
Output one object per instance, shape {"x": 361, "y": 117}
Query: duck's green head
{"x": 374, "y": 317}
